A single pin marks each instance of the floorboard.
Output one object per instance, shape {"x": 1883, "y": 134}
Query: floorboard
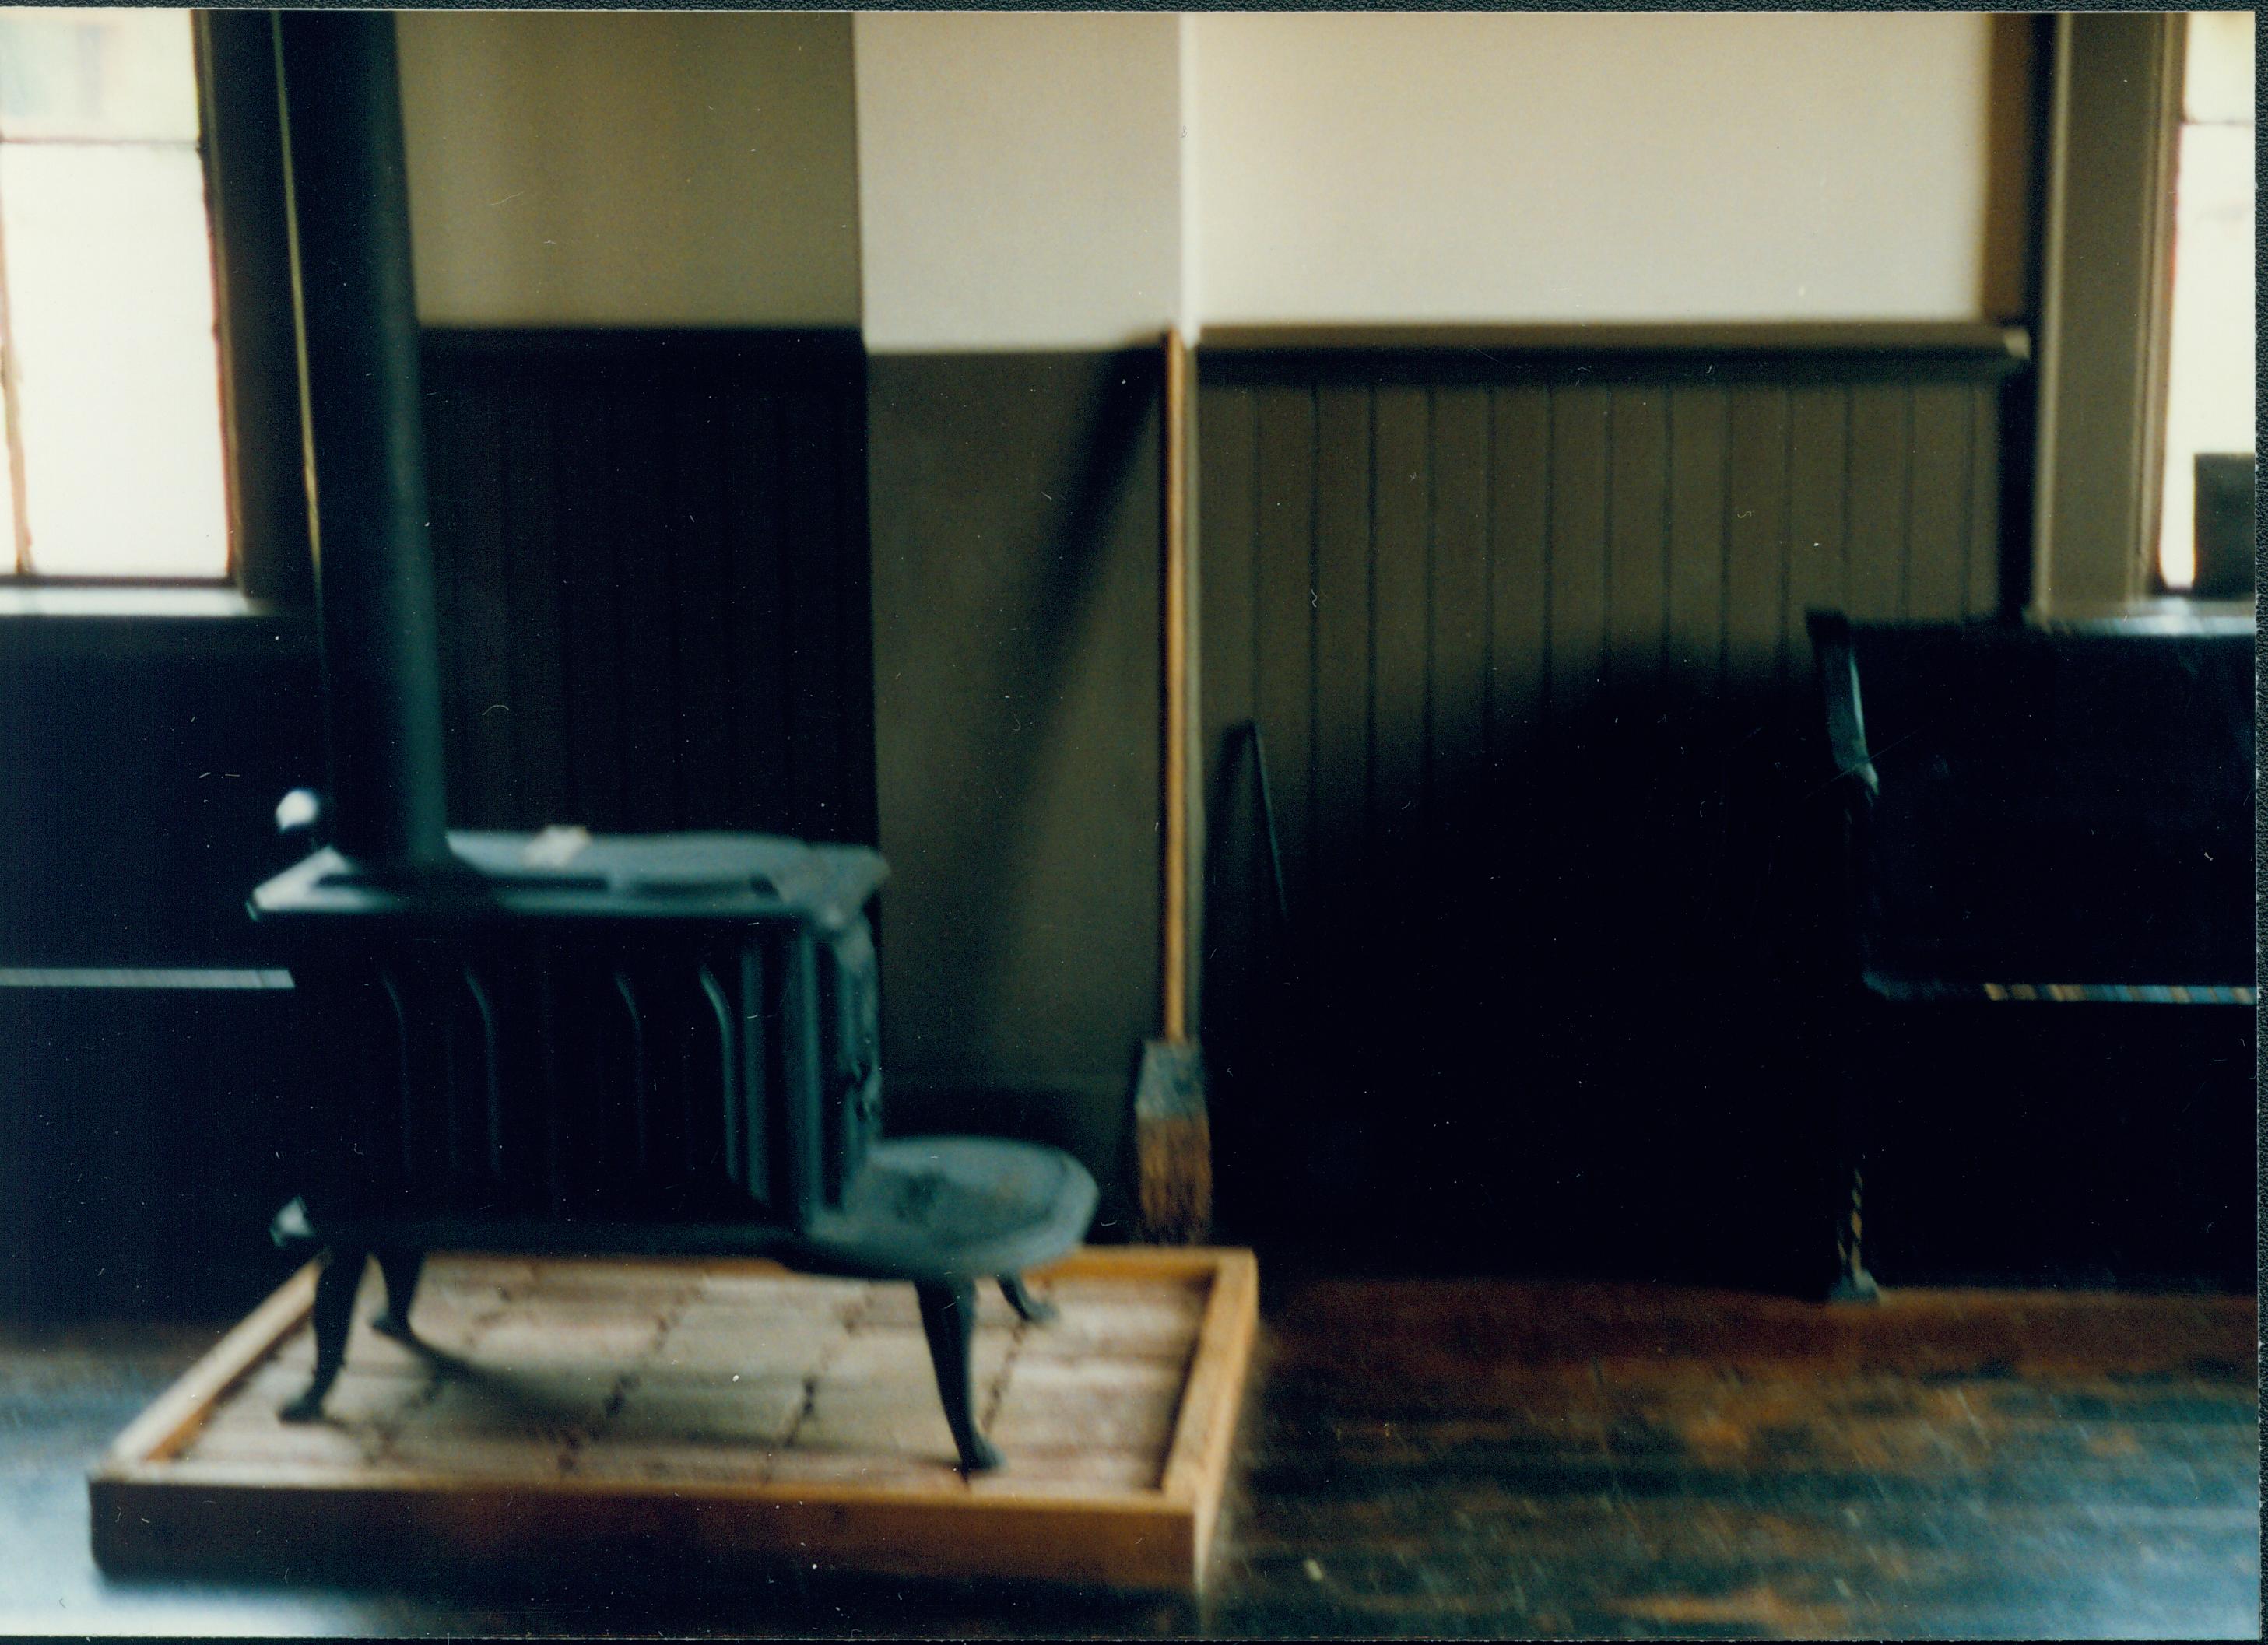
{"x": 1448, "y": 1459}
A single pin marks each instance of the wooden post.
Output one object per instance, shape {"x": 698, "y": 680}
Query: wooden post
{"x": 1173, "y": 746}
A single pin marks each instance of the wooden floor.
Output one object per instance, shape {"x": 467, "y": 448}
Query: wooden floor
{"x": 1478, "y": 1458}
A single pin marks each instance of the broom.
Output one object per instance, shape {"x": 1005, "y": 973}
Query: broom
{"x": 1173, "y": 1140}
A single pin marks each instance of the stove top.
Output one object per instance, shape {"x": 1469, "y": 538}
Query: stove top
{"x": 566, "y": 874}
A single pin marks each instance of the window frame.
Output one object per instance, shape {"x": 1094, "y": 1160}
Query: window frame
{"x": 2106, "y": 303}
{"x": 270, "y": 564}
{"x": 2179, "y": 125}
{"x": 262, "y": 429}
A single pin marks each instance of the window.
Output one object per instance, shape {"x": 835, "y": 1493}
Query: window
{"x": 110, "y": 362}
{"x": 2209, "y": 389}
{"x": 2119, "y": 418}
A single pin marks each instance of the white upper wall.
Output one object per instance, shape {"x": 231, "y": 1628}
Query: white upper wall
{"x": 631, "y": 168}
{"x": 1440, "y": 167}
{"x": 1019, "y": 179}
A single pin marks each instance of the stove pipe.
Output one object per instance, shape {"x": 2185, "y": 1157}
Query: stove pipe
{"x": 366, "y": 453}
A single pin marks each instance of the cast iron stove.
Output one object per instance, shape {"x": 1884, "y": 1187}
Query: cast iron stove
{"x": 554, "y": 1042}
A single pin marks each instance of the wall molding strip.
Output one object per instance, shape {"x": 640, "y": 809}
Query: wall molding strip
{"x": 1961, "y": 349}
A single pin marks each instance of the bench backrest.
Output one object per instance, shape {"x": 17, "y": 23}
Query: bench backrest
{"x": 2045, "y": 806}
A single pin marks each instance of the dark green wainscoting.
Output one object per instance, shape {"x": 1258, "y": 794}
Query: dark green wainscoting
{"x": 651, "y": 563}
{"x": 146, "y": 752}
{"x": 1521, "y": 616}
{"x": 651, "y": 568}
{"x": 1519, "y": 613}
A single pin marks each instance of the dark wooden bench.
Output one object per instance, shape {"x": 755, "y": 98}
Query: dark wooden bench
{"x": 2037, "y": 815}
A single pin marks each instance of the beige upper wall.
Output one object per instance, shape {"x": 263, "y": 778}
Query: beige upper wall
{"x": 629, "y": 168}
{"x": 1066, "y": 181}
{"x": 1019, "y": 177}
{"x": 1510, "y": 167}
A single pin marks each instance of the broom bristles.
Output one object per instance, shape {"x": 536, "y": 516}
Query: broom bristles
{"x": 1172, "y": 1144}
{"x": 1176, "y": 1165}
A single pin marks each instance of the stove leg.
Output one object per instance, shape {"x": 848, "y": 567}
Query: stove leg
{"x": 1028, "y": 1308}
{"x": 948, "y": 1316}
{"x": 1851, "y": 1282}
{"x": 334, "y": 1317}
{"x": 400, "y": 1269}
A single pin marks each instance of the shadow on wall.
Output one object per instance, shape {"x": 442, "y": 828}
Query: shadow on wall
{"x": 1548, "y": 1026}
{"x": 1580, "y": 1023}
{"x": 1526, "y": 636}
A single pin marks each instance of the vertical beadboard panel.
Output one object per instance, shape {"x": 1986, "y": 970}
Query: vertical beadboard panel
{"x": 593, "y": 750}
{"x": 1343, "y": 667}
{"x": 1581, "y": 583}
{"x": 1638, "y": 572}
{"x": 756, "y": 601}
{"x": 1697, "y": 429}
{"x": 1226, "y": 454}
{"x": 1938, "y": 509}
{"x": 1755, "y": 535}
{"x": 1458, "y": 666}
{"x": 852, "y": 813}
{"x": 817, "y": 686}
{"x": 539, "y": 660}
{"x": 1819, "y": 437}
{"x": 1984, "y": 568}
{"x": 1520, "y": 576}
{"x": 1235, "y": 890}
{"x": 1284, "y": 689}
{"x": 1697, "y": 435}
{"x": 1522, "y": 533}
{"x": 1401, "y": 578}
{"x": 651, "y": 584}
{"x": 1579, "y": 435}
{"x": 1879, "y": 445}
{"x": 481, "y": 609}
{"x": 644, "y": 576}
{"x": 450, "y": 472}
{"x": 702, "y": 620}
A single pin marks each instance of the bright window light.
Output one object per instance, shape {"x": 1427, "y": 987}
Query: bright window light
{"x": 108, "y": 356}
{"x": 2209, "y": 405}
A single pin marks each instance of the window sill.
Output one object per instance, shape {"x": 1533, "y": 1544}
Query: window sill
{"x": 90, "y": 622}
{"x": 2162, "y": 613}
{"x": 125, "y": 599}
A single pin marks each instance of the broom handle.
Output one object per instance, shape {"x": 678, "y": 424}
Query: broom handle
{"x": 1174, "y": 864}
